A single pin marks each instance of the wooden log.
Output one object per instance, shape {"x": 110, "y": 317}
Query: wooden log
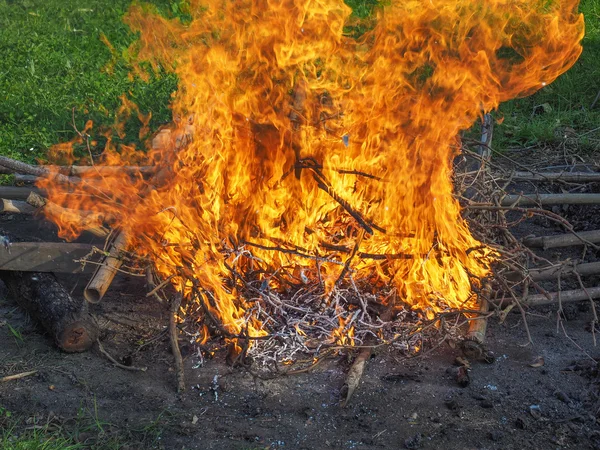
{"x": 57, "y": 257}
{"x": 564, "y": 270}
{"x": 105, "y": 273}
{"x": 473, "y": 346}
{"x": 550, "y": 199}
{"x": 65, "y": 318}
{"x": 572, "y": 177}
{"x": 16, "y": 206}
{"x": 563, "y": 240}
{"x": 87, "y": 220}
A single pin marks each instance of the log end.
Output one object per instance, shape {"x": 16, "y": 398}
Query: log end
{"x": 78, "y": 336}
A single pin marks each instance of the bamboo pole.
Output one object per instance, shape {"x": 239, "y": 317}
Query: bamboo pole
{"x": 473, "y": 346}
{"x": 574, "y": 177}
{"x": 103, "y": 277}
{"x": 563, "y": 240}
{"x": 550, "y": 199}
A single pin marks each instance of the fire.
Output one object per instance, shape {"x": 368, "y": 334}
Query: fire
{"x": 297, "y": 144}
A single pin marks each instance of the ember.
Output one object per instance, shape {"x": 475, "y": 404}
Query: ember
{"x": 303, "y": 158}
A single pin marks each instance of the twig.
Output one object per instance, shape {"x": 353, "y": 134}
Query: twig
{"x": 18, "y": 376}
{"x": 115, "y": 362}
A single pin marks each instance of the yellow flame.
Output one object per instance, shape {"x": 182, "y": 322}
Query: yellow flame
{"x": 288, "y": 132}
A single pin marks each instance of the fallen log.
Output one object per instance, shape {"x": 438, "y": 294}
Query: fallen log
{"x": 563, "y": 240}
{"x": 56, "y": 257}
{"x": 550, "y": 199}
{"x": 16, "y": 206}
{"x": 564, "y": 270}
{"x": 573, "y": 177}
{"x": 65, "y": 318}
{"x": 105, "y": 273}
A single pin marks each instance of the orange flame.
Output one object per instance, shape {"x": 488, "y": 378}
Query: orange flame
{"x": 290, "y": 133}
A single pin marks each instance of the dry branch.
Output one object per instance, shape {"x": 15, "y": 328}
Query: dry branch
{"x": 550, "y": 199}
{"x": 105, "y": 273}
{"x": 563, "y": 240}
{"x": 87, "y": 170}
{"x": 473, "y": 345}
{"x": 572, "y": 177}
{"x": 564, "y": 270}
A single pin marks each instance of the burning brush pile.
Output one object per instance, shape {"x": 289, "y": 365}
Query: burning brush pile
{"x": 302, "y": 198}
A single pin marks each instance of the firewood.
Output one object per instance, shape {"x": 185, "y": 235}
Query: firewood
{"x": 65, "y": 318}
{"x": 563, "y": 240}
{"x": 55, "y": 257}
{"x": 17, "y": 193}
{"x": 550, "y": 199}
{"x": 87, "y": 220}
{"x": 105, "y": 273}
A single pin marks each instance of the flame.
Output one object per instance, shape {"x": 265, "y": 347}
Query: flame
{"x": 291, "y": 133}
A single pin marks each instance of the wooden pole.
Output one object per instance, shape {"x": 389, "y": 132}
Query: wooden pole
{"x": 550, "y": 199}
{"x": 473, "y": 346}
{"x": 103, "y": 277}
{"x": 563, "y": 240}
{"x": 86, "y": 170}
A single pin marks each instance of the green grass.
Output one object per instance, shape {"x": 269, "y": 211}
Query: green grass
{"x": 566, "y": 102}
{"x": 52, "y": 59}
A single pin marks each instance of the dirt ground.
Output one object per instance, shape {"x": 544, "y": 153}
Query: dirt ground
{"x": 544, "y": 395}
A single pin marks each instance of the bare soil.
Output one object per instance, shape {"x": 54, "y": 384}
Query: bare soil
{"x": 539, "y": 396}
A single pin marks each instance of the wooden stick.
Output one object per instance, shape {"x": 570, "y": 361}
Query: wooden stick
{"x": 117, "y": 363}
{"x": 550, "y": 199}
{"x": 87, "y": 220}
{"x": 18, "y": 376}
{"x": 106, "y": 272}
{"x": 354, "y": 375}
{"x": 173, "y": 334}
{"x": 16, "y": 206}
{"x": 564, "y": 270}
{"x": 574, "y": 177}
{"x": 563, "y": 240}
